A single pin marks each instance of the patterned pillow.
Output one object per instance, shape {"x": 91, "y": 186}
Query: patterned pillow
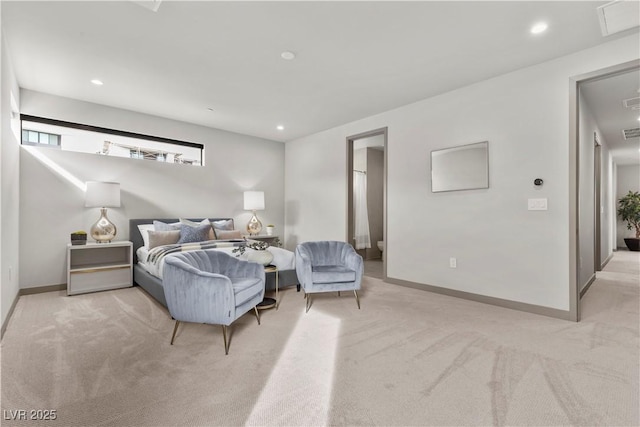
{"x": 160, "y": 238}
{"x": 205, "y": 221}
{"x": 190, "y": 234}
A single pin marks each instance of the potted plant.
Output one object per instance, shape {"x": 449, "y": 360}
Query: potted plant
{"x": 79, "y": 238}
{"x": 270, "y": 228}
{"x": 629, "y": 211}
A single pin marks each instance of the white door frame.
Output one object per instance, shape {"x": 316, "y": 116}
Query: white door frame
{"x": 574, "y": 181}
{"x": 350, "y": 217}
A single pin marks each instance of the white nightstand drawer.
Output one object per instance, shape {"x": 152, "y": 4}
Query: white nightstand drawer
{"x": 98, "y": 280}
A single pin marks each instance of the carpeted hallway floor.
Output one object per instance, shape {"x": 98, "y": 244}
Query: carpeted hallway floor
{"x": 407, "y": 358}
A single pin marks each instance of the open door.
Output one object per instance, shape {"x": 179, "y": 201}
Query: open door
{"x": 367, "y": 199}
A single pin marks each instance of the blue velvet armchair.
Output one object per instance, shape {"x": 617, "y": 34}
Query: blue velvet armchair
{"x": 328, "y": 266}
{"x": 208, "y": 286}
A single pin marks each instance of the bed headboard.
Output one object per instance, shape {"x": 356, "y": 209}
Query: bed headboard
{"x": 136, "y": 237}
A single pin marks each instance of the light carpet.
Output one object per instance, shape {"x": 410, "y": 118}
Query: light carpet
{"x": 409, "y": 357}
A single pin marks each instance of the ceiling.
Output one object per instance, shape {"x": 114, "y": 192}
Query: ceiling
{"x": 605, "y": 100}
{"x": 218, "y": 64}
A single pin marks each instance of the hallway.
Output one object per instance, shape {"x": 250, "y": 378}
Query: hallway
{"x": 616, "y": 292}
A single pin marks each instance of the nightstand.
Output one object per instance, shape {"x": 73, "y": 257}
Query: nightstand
{"x": 99, "y": 267}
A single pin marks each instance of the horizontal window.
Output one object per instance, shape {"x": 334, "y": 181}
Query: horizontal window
{"x": 32, "y": 137}
{"x": 69, "y": 136}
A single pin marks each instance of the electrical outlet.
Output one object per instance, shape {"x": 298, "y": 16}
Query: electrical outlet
{"x": 453, "y": 263}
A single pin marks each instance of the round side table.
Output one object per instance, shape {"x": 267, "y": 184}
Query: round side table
{"x": 267, "y": 303}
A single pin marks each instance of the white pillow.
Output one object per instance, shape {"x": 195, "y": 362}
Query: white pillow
{"x": 144, "y": 231}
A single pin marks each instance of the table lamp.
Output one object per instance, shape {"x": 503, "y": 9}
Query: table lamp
{"x": 102, "y": 195}
{"x": 254, "y": 201}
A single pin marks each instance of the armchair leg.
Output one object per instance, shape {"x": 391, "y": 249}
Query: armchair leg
{"x": 308, "y": 302}
{"x": 255, "y": 310}
{"x": 338, "y": 293}
{"x": 226, "y": 342}
{"x": 357, "y": 299}
{"x": 175, "y": 329}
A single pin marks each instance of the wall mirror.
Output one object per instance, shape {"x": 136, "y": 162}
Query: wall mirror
{"x": 460, "y": 168}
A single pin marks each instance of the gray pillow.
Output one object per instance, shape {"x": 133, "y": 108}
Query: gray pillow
{"x": 205, "y": 221}
{"x": 223, "y": 224}
{"x": 163, "y": 226}
{"x": 193, "y": 223}
{"x": 190, "y": 234}
{"x": 160, "y": 238}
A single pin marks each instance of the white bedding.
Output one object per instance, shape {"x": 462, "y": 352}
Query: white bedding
{"x": 282, "y": 258}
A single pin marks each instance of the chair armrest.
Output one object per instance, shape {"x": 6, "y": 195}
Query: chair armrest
{"x": 197, "y": 296}
{"x": 352, "y": 260}
{"x": 303, "y": 267}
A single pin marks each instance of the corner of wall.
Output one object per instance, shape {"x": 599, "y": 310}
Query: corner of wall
{"x": 9, "y": 184}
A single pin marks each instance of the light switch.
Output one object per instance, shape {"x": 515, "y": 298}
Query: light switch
{"x": 537, "y": 204}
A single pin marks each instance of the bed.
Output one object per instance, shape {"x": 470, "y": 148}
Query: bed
{"x": 149, "y": 278}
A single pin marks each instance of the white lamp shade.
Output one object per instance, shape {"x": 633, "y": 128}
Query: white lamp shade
{"x": 254, "y": 200}
{"x": 102, "y": 195}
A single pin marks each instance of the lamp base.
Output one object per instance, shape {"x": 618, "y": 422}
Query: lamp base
{"x": 103, "y": 231}
{"x": 254, "y": 226}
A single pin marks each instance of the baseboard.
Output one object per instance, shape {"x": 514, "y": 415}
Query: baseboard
{"x": 6, "y": 321}
{"x": 43, "y": 289}
{"x": 513, "y": 305}
{"x": 586, "y": 287}
{"x": 606, "y": 261}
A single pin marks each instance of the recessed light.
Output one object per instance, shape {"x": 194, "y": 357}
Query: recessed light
{"x": 280, "y": 127}
{"x": 538, "y": 28}
{"x": 288, "y": 55}
{"x": 97, "y": 82}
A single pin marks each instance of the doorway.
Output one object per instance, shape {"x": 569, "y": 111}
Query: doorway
{"x": 367, "y": 199}
{"x": 597, "y": 120}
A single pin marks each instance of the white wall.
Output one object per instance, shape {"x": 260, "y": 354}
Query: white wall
{"x": 502, "y": 249}
{"x": 628, "y": 179}
{"x": 607, "y": 203}
{"x": 375, "y": 199}
{"x": 589, "y": 127}
{"x": 51, "y": 206}
{"x": 586, "y": 195}
{"x": 9, "y": 183}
